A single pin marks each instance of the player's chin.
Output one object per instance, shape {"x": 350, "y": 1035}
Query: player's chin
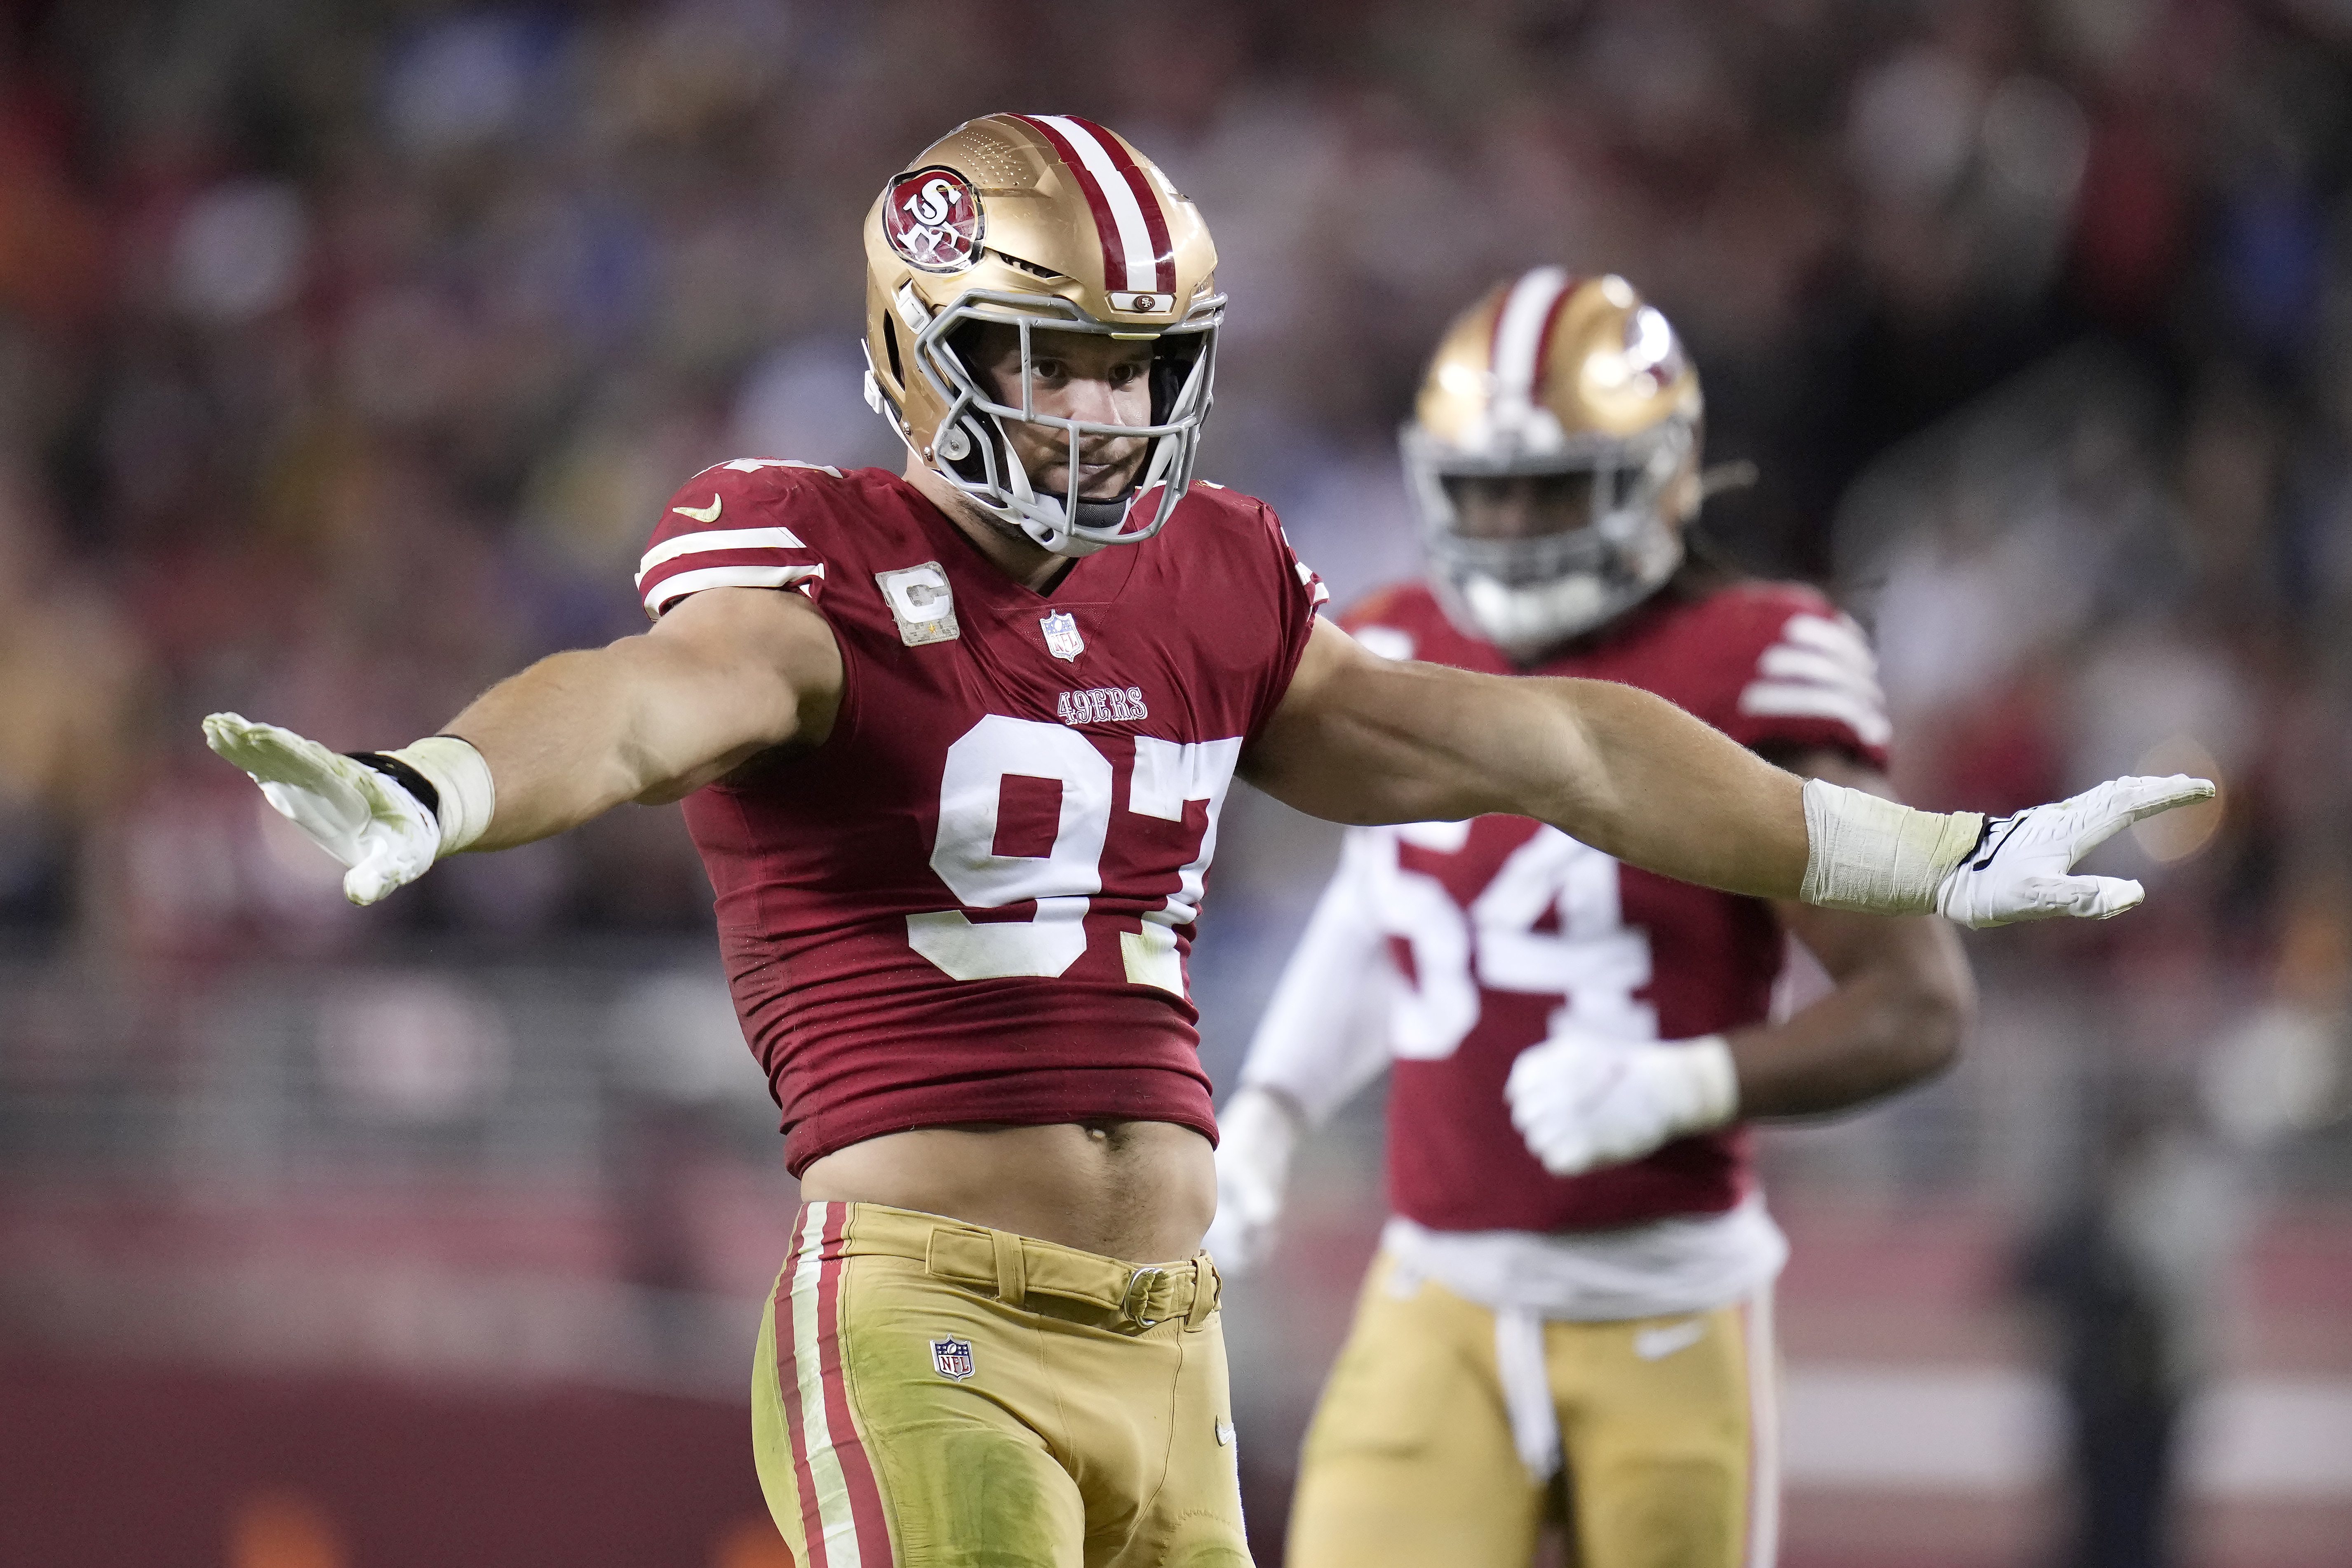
{"x": 1108, "y": 481}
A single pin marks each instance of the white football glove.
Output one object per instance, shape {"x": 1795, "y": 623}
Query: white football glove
{"x": 1582, "y": 1099}
{"x": 380, "y": 832}
{"x": 2020, "y": 870}
{"x": 1255, "y": 1135}
{"x": 1877, "y": 857}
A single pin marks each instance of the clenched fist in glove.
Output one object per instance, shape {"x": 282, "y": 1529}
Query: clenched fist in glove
{"x": 385, "y": 817}
{"x": 1583, "y": 1100}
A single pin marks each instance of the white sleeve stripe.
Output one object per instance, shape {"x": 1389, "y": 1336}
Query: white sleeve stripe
{"x": 1785, "y": 699}
{"x": 753, "y": 465}
{"x": 1785, "y": 663}
{"x": 720, "y": 539}
{"x": 669, "y": 590}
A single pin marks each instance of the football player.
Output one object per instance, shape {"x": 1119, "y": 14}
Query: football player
{"x": 1571, "y": 1303}
{"x": 952, "y": 743}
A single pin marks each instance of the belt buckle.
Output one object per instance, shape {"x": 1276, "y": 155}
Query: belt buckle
{"x": 1138, "y": 1291}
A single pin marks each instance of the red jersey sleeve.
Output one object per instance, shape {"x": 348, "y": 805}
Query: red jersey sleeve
{"x": 1806, "y": 677}
{"x": 741, "y": 524}
{"x": 1302, "y": 594}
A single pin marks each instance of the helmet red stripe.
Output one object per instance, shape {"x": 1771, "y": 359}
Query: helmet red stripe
{"x": 1105, "y": 226}
{"x": 1155, "y": 219}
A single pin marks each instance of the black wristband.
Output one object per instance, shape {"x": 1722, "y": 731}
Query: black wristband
{"x": 404, "y": 775}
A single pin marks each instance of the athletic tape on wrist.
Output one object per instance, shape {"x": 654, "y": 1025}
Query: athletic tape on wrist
{"x": 1715, "y": 1081}
{"x": 1877, "y": 856}
{"x": 462, "y": 779}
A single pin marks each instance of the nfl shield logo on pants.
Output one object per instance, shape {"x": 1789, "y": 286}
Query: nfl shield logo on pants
{"x": 952, "y": 1358}
{"x": 1062, "y": 638}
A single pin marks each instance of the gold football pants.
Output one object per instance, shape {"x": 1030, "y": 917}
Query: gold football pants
{"x": 935, "y": 1394}
{"x": 1666, "y": 1429}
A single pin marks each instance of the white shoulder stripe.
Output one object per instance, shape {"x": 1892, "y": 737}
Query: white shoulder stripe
{"x": 1787, "y": 700}
{"x": 669, "y": 590}
{"x": 1126, "y": 212}
{"x": 716, "y": 540}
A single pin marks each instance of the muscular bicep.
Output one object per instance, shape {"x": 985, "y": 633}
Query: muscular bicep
{"x": 722, "y": 676}
{"x": 731, "y": 673}
{"x": 1361, "y": 739}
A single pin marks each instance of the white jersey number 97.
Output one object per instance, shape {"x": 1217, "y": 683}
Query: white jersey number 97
{"x": 1064, "y": 880}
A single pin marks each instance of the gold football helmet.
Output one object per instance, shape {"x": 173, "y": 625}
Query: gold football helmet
{"x": 1038, "y": 221}
{"x": 1553, "y": 457}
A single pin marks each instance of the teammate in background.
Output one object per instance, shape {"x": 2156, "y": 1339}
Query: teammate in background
{"x": 952, "y": 743}
{"x": 1576, "y": 1285}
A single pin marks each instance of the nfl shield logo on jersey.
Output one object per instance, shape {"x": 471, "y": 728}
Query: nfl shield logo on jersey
{"x": 1062, "y": 638}
{"x": 952, "y": 1358}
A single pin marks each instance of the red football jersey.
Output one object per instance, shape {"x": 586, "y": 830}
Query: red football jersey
{"x": 974, "y": 903}
{"x": 1499, "y": 925}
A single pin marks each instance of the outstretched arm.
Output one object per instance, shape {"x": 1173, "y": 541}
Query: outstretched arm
{"x": 726, "y": 675}
{"x": 1362, "y": 739}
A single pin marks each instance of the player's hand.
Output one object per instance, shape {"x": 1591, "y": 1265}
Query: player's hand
{"x": 1584, "y": 1100}
{"x": 382, "y": 835}
{"x": 2020, "y": 869}
{"x": 1256, "y": 1134}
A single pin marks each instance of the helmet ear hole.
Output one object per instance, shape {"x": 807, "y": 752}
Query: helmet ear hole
{"x": 890, "y": 348}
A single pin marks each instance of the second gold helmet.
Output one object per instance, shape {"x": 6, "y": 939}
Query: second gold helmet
{"x": 1576, "y": 385}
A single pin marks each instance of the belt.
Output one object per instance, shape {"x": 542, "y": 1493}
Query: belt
{"x": 1020, "y": 1269}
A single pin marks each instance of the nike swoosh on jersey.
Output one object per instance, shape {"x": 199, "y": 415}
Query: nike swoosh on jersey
{"x": 702, "y": 513}
{"x": 1656, "y": 1344}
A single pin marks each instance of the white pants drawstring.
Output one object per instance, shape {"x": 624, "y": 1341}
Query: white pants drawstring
{"x": 1526, "y": 1391}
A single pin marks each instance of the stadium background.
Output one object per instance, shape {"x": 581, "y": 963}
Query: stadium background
{"x": 348, "y": 350}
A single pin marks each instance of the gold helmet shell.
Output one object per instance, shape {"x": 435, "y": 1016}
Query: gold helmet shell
{"x": 1039, "y": 222}
{"x": 1550, "y": 376}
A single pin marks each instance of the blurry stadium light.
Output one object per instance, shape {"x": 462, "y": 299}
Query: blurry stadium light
{"x": 413, "y": 1048}
{"x": 283, "y": 1530}
{"x": 238, "y": 252}
{"x": 2177, "y": 835}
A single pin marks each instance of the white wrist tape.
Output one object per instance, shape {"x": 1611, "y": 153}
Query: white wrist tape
{"x": 463, "y": 779}
{"x": 1713, "y": 1081}
{"x": 1877, "y": 857}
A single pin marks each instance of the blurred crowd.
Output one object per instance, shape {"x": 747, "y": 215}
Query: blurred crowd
{"x": 348, "y": 351}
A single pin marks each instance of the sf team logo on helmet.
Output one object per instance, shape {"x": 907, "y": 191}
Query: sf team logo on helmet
{"x": 932, "y": 217}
